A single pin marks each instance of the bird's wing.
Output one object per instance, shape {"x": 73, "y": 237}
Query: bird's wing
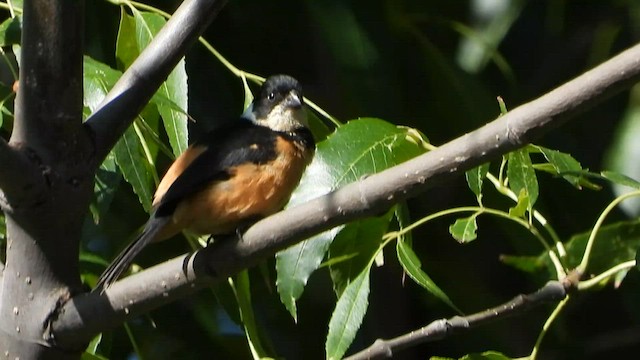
{"x": 224, "y": 150}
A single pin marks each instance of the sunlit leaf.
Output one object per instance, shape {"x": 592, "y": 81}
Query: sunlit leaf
{"x": 90, "y": 356}
{"x": 10, "y": 31}
{"x": 621, "y": 179}
{"x": 359, "y": 148}
{"x": 126, "y": 44}
{"x": 174, "y": 88}
{"x": 521, "y": 205}
{"x": 107, "y": 181}
{"x": 522, "y": 176}
{"x": 347, "y": 316}
{"x": 98, "y": 80}
{"x": 475, "y": 177}
{"x": 360, "y": 242}
{"x": 131, "y": 160}
{"x": 563, "y": 164}
{"x": 464, "y": 229}
{"x": 242, "y": 288}
{"x": 488, "y": 355}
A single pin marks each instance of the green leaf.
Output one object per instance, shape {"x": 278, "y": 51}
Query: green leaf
{"x": 3, "y": 236}
{"x": 402, "y": 215}
{"x": 475, "y": 178}
{"x": 464, "y": 229}
{"x": 128, "y": 152}
{"x": 174, "y": 88}
{"x": 248, "y": 95}
{"x": 360, "y": 241}
{"x": 621, "y": 179}
{"x": 98, "y": 80}
{"x": 126, "y": 45}
{"x": 10, "y": 31}
{"x": 129, "y": 156}
{"x": 521, "y": 206}
{"x": 347, "y": 316}
{"x": 563, "y": 164}
{"x": 487, "y": 355}
{"x": 242, "y": 288}
{"x": 530, "y": 264}
{"x": 359, "y": 148}
{"x": 480, "y": 42}
{"x": 226, "y": 298}
{"x": 522, "y": 176}
{"x": 93, "y": 345}
{"x": 296, "y": 264}
{"x": 89, "y": 356}
{"x": 614, "y": 244}
{"x": 318, "y": 128}
{"x": 413, "y": 267}
{"x": 106, "y": 184}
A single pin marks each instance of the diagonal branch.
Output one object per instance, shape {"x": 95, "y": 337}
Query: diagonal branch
{"x": 553, "y": 291}
{"x": 88, "y": 314}
{"x": 138, "y": 84}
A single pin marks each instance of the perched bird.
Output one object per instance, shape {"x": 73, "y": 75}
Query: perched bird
{"x": 233, "y": 176}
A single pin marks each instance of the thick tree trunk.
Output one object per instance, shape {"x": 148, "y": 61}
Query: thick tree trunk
{"x": 47, "y": 191}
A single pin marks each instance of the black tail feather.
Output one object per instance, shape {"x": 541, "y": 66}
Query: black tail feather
{"x": 122, "y": 262}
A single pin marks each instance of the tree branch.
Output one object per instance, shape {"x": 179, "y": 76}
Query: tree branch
{"x": 553, "y": 291}
{"x": 88, "y": 314}
{"x": 138, "y": 84}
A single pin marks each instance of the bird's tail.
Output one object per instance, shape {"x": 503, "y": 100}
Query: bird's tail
{"x": 125, "y": 258}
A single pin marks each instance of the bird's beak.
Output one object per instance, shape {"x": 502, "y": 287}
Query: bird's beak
{"x": 293, "y": 100}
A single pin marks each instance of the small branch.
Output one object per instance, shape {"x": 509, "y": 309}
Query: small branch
{"x": 85, "y": 315}
{"x": 138, "y": 84}
{"x": 553, "y": 291}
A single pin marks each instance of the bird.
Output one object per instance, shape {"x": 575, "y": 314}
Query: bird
{"x": 231, "y": 177}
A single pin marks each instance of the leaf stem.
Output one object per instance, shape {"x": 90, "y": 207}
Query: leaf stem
{"x": 147, "y": 152}
{"x": 479, "y": 211}
{"x": 539, "y": 218}
{"x": 504, "y": 190}
{"x": 582, "y": 268}
{"x": 587, "y": 284}
{"x": 547, "y": 325}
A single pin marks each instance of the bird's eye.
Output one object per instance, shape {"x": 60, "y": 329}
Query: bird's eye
{"x": 271, "y": 96}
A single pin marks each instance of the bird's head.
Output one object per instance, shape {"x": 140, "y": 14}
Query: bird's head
{"x": 279, "y": 105}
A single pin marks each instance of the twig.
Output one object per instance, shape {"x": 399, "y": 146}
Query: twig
{"x": 382, "y": 349}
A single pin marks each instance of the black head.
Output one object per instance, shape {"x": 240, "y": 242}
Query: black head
{"x": 279, "y": 104}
